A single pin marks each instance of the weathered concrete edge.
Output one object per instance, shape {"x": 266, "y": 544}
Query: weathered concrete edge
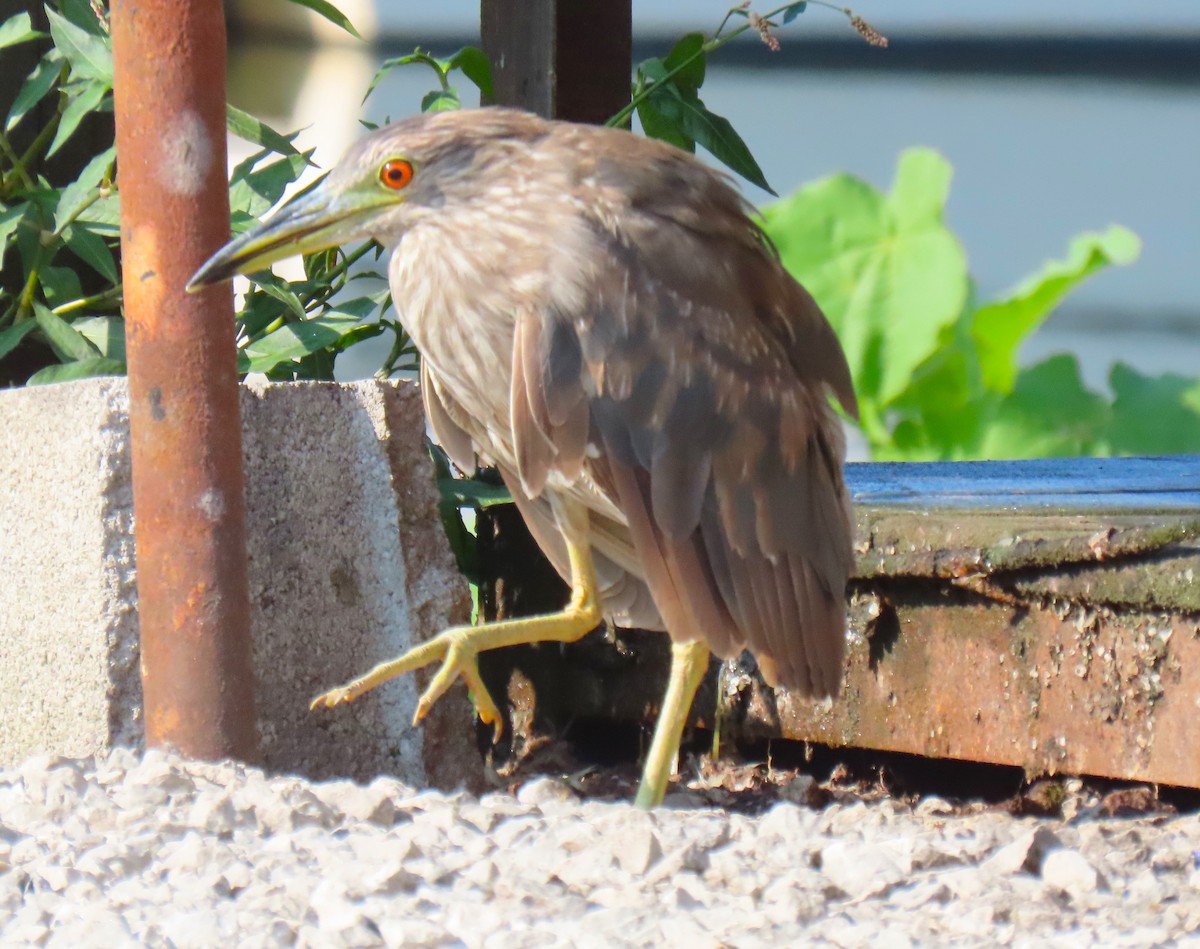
{"x": 119, "y": 569}
{"x": 429, "y": 578}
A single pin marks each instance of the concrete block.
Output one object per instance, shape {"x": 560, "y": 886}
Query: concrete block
{"x": 68, "y": 624}
{"x": 348, "y": 566}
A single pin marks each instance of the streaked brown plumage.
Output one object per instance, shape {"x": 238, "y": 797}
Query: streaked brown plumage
{"x": 599, "y": 317}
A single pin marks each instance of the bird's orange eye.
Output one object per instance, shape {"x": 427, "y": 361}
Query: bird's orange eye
{"x": 396, "y": 173}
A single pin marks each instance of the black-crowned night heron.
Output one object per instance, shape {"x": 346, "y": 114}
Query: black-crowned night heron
{"x": 599, "y": 317}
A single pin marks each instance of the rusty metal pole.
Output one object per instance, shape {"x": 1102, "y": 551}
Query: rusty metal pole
{"x": 189, "y": 500}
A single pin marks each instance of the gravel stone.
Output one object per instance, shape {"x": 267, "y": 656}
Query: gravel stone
{"x": 542, "y": 791}
{"x": 1070, "y": 870}
{"x": 860, "y": 869}
{"x": 1025, "y": 854}
{"x": 155, "y": 851}
{"x": 633, "y": 843}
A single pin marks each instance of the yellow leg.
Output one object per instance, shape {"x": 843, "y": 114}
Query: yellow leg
{"x": 689, "y": 662}
{"x": 458, "y": 646}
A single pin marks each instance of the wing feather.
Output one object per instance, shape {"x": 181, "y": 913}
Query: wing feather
{"x": 446, "y": 432}
{"x": 682, "y": 378}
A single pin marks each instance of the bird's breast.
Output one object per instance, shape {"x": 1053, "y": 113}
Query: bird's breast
{"x": 460, "y": 314}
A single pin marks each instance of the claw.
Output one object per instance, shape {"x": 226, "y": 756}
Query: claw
{"x": 343, "y": 695}
{"x": 331, "y": 699}
{"x": 458, "y": 659}
{"x": 458, "y": 647}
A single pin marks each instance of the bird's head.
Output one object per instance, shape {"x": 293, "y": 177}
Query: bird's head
{"x": 385, "y": 183}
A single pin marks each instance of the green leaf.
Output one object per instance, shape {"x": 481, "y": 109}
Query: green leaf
{"x": 240, "y": 221}
{"x": 473, "y": 492}
{"x": 84, "y": 14}
{"x": 382, "y": 297}
{"x": 294, "y": 340}
{"x": 658, "y": 125}
{"x": 655, "y": 70}
{"x": 10, "y": 220}
{"x": 384, "y": 68}
{"x": 1049, "y": 413}
{"x": 715, "y": 133}
{"x": 920, "y": 189}
{"x": 999, "y": 328}
{"x": 688, "y": 53}
{"x": 17, "y": 29}
{"x": 60, "y": 285}
{"x": 63, "y": 339}
{"x": 319, "y": 263}
{"x": 359, "y": 308}
{"x": 81, "y": 102}
{"x": 258, "y": 312}
{"x": 416, "y": 56}
{"x": 83, "y": 189}
{"x": 942, "y": 416}
{"x": 1154, "y": 415}
{"x": 34, "y": 88}
{"x": 890, "y": 276}
{"x": 473, "y": 63}
{"x": 253, "y": 191}
{"x": 80, "y": 369}
{"x": 11, "y": 337}
{"x": 462, "y": 543}
{"x": 794, "y": 10}
{"x": 44, "y": 200}
{"x": 441, "y": 100}
{"x": 280, "y": 290}
{"x": 106, "y": 333}
{"x": 104, "y": 216}
{"x": 244, "y": 125}
{"x": 661, "y": 112}
{"x": 90, "y": 55}
{"x": 330, "y": 13}
{"x": 91, "y": 248}
{"x": 316, "y": 365}
{"x": 33, "y": 230}
{"x": 357, "y": 335}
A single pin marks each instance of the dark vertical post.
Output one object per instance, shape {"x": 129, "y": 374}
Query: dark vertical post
{"x": 189, "y": 502}
{"x": 593, "y": 61}
{"x": 564, "y": 59}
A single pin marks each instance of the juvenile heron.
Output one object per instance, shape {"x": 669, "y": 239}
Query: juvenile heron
{"x": 599, "y": 317}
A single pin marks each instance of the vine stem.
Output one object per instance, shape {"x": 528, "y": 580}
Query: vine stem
{"x": 347, "y": 261}
{"x": 711, "y": 45}
{"x": 111, "y": 295}
{"x": 37, "y": 146}
{"x": 25, "y": 301}
{"x": 400, "y": 345}
{"x": 18, "y": 166}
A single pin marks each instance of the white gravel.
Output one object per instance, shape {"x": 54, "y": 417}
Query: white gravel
{"x": 155, "y": 851}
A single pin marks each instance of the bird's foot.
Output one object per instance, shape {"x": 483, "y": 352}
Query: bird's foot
{"x": 457, "y": 647}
